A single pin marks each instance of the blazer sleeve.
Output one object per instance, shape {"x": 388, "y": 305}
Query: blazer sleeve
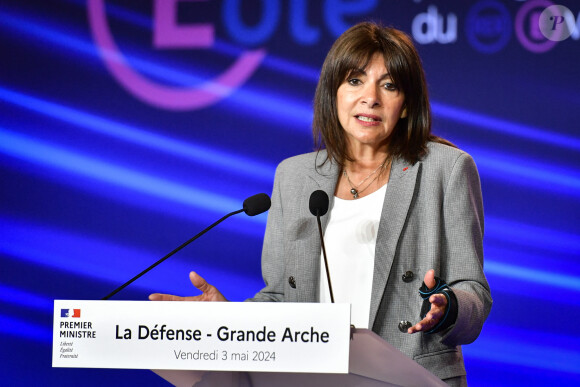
{"x": 463, "y": 228}
{"x": 273, "y": 247}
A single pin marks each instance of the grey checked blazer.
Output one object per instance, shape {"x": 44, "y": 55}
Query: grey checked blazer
{"x": 432, "y": 217}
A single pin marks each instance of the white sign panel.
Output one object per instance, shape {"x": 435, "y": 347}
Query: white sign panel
{"x": 213, "y": 336}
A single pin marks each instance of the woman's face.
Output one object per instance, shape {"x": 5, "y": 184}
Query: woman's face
{"x": 369, "y": 105}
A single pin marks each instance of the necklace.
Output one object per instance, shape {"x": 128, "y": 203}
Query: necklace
{"x": 354, "y": 188}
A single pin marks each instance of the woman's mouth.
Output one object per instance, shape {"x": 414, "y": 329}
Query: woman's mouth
{"x": 368, "y": 118}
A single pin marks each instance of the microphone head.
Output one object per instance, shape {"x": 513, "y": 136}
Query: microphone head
{"x": 318, "y": 203}
{"x": 255, "y": 205}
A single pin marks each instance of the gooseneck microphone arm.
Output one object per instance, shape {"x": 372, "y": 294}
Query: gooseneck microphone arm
{"x": 253, "y": 205}
{"x": 169, "y": 255}
{"x": 319, "y": 206}
{"x": 324, "y": 255}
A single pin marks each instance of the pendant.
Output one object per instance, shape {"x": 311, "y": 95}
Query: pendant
{"x": 354, "y": 193}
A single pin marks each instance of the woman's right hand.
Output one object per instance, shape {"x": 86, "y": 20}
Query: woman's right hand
{"x": 208, "y": 292}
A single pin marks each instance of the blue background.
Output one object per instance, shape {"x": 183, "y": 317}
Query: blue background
{"x": 96, "y": 184}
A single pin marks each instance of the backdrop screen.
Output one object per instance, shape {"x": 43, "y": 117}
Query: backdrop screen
{"x": 126, "y": 127}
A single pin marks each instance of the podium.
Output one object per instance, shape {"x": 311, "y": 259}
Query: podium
{"x": 230, "y": 344}
{"x": 372, "y": 363}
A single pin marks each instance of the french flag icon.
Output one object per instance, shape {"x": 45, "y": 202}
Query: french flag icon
{"x": 70, "y": 313}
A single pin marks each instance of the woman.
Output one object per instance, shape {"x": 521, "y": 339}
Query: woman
{"x": 403, "y": 203}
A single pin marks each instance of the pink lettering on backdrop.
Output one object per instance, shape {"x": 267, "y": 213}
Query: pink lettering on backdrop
{"x": 163, "y": 96}
{"x": 168, "y": 34}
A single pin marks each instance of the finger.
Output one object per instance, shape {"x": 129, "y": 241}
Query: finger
{"x": 424, "y": 325}
{"x": 209, "y": 292}
{"x": 171, "y": 297}
{"x": 199, "y": 282}
{"x": 430, "y": 279}
{"x": 164, "y": 297}
{"x": 419, "y": 327}
{"x": 415, "y": 328}
{"x": 438, "y": 299}
{"x": 430, "y": 321}
{"x": 436, "y": 311}
{"x": 434, "y": 314}
{"x": 155, "y": 297}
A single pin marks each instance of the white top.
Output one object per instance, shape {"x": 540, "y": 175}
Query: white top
{"x": 350, "y": 240}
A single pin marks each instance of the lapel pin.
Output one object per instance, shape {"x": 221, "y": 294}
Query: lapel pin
{"x": 404, "y": 169}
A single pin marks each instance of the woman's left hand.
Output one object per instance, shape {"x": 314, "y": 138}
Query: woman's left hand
{"x": 438, "y": 307}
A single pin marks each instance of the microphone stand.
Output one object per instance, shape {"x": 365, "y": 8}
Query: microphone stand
{"x": 170, "y": 254}
{"x": 324, "y": 255}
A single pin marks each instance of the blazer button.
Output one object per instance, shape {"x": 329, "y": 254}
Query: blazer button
{"x": 408, "y": 276}
{"x": 404, "y": 325}
{"x": 292, "y": 282}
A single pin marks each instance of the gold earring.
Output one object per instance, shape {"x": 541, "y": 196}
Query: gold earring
{"x": 404, "y": 113}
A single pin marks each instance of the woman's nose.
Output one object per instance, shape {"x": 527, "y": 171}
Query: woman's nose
{"x": 371, "y": 96}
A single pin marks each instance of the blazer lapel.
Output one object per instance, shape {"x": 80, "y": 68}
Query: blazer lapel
{"x": 308, "y": 259}
{"x": 400, "y": 192}
{"x": 325, "y": 179}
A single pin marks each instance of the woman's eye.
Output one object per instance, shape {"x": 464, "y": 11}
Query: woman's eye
{"x": 390, "y": 86}
{"x": 354, "y": 81}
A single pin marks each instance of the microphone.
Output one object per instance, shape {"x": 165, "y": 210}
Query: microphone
{"x": 318, "y": 205}
{"x": 254, "y": 205}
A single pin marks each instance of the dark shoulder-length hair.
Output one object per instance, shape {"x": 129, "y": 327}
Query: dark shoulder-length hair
{"x": 353, "y": 50}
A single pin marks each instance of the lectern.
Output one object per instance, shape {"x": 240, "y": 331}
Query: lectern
{"x": 230, "y": 344}
{"x": 372, "y": 363}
